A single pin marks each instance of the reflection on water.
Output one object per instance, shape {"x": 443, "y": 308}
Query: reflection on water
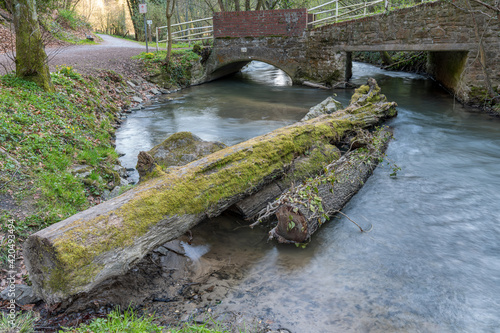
{"x": 431, "y": 262}
{"x": 194, "y": 252}
{"x": 233, "y": 110}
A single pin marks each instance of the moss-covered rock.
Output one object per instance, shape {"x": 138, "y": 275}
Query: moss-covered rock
{"x": 177, "y": 150}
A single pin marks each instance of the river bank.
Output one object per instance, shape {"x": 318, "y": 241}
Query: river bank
{"x": 80, "y": 121}
{"x": 191, "y": 294}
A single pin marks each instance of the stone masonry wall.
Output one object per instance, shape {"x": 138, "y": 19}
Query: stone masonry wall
{"x": 463, "y": 41}
{"x": 446, "y": 29}
{"x": 286, "y": 22}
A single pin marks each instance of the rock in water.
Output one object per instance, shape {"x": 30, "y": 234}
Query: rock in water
{"x": 328, "y": 106}
{"x": 178, "y": 149}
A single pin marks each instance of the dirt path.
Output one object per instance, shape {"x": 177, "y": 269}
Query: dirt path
{"x": 111, "y": 53}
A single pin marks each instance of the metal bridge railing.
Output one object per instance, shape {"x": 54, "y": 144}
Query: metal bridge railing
{"x": 343, "y": 10}
{"x": 335, "y": 10}
{"x": 190, "y": 34}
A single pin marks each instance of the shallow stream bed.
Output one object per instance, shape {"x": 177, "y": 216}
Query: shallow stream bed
{"x": 431, "y": 262}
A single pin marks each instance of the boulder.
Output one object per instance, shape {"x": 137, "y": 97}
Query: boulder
{"x": 23, "y": 294}
{"x": 177, "y": 150}
{"x": 328, "y": 106}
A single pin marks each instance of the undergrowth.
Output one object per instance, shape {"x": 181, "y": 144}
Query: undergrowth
{"x": 415, "y": 62}
{"x": 126, "y": 322}
{"x": 23, "y": 323}
{"x": 42, "y": 135}
{"x": 176, "y": 72}
{"x": 130, "y": 322}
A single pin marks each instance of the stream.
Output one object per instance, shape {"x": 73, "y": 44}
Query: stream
{"x": 431, "y": 262}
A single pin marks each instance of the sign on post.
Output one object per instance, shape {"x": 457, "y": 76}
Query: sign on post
{"x": 150, "y": 22}
{"x": 143, "y": 9}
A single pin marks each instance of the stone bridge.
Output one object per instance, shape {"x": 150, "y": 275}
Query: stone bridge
{"x": 463, "y": 43}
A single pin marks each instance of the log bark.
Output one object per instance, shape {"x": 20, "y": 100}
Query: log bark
{"x": 303, "y": 209}
{"x": 74, "y": 256}
{"x": 305, "y": 166}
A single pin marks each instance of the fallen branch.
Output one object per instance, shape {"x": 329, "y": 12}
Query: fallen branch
{"x": 496, "y": 9}
{"x": 4, "y": 152}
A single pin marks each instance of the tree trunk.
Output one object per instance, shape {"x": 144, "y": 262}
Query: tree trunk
{"x": 221, "y": 5}
{"x": 133, "y": 8}
{"x": 31, "y": 59}
{"x": 169, "y": 13}
{"x": 386, "y": 58}
{"x": 76, "y": 255}
{"x": 303, "y": 209}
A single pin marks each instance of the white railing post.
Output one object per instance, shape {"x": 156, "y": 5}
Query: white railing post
{"x": 336, "y": 11}
{"x": 386, "y": 5}
{"x": 157, "y": 46}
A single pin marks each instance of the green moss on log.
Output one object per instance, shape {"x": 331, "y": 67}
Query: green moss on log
{"x": 192, "y": 189}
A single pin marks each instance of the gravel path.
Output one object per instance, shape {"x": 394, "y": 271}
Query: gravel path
{"x": 112, "y": 54}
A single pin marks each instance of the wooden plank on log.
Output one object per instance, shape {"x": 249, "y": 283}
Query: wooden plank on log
{"x": 76, "y": 255}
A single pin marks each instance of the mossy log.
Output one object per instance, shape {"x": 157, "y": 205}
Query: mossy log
{"x": 320, "y": 155}
{"x": 76, "y": 255}
{"x": 303, "y": 209}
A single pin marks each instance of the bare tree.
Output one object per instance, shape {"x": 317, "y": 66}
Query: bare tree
{"x": 169, "y": 13}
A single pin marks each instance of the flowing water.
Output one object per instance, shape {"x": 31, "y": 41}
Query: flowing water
{"x": 255, "y": 102}
{"x": 431, "y": 262}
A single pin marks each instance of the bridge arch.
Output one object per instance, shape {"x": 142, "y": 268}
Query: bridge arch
{"x": 458, "y": 59}
{"x": 230, "y": 56}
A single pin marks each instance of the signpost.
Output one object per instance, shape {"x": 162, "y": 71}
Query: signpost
{"x": 143, "y": 9}
{"x": 150, "y": 22}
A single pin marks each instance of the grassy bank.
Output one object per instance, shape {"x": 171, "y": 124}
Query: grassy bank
{"x": 56, "y": 151}
{"x": 177, "y": 73}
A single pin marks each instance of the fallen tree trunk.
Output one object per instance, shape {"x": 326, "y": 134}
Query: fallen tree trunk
{"x": 76, "y": 255}
{"x": 303, "y": 209}
{"x": 317, "y": 158}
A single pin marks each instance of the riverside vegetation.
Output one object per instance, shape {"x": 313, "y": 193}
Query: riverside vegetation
{"x": 45, "y": 137}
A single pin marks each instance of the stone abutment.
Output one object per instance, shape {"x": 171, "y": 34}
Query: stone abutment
{"x": 463, "y": 43}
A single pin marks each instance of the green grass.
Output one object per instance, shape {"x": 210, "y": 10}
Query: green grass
{"x": 130, "y": 322}
{"x": 43, "y": 135}
{"x": 23, "y": 323}
{"x": 127, "y": 322}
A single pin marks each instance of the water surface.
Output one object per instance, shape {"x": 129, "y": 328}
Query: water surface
{"x": 431, "y": 262}
{"x": 231, "y": 110}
